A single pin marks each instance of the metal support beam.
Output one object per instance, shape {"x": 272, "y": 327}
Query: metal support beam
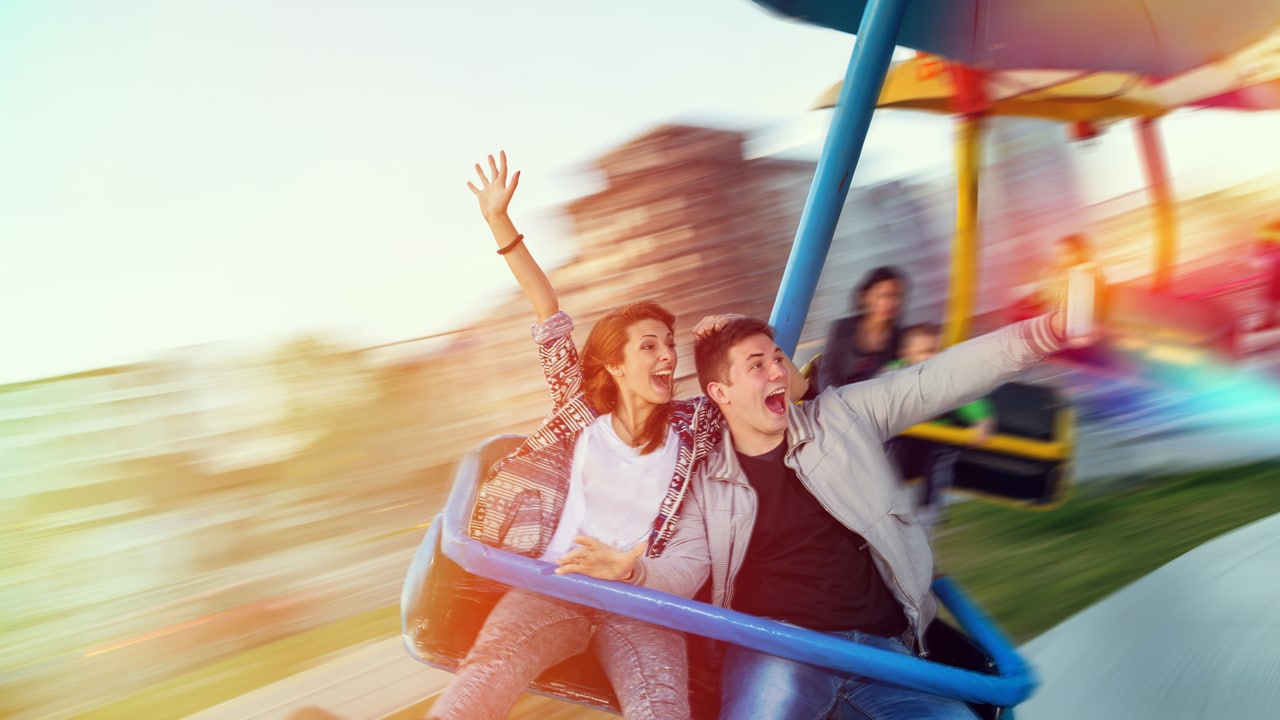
{"x": 1153, "y": 161}
{"x": 877, "y": 35}
{"x": 962, "y": 295}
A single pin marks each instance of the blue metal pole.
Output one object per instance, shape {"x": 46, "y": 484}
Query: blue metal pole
{"x": 877, "y": 35}
{"x": 980, "y": 627}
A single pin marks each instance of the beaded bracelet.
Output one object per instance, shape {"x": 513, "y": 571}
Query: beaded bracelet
{"x": 511, "y": 245}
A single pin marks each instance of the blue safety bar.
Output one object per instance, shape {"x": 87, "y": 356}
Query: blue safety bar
{"x": 1013, "y": 683}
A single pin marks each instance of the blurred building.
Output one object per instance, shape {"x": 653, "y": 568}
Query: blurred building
{"x": 684, "y": 219}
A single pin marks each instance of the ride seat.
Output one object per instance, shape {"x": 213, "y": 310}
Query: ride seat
{"x": 445, "y": 606}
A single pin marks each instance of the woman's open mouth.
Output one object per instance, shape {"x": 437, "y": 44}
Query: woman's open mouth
{"x": 662, "y": 380}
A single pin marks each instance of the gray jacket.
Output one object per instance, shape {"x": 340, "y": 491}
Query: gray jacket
{"x": 836, "y": 446}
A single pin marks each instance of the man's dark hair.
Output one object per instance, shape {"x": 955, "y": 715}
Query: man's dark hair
{"x": 711, "y": 353}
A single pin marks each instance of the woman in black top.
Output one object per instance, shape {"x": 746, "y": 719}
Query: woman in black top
{"x": 859, "y": 346}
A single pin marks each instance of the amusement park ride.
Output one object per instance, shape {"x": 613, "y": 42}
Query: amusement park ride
{"x": 1067, "y": 51}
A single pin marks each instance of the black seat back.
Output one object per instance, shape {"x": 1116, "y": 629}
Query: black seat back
{"x": 949, "y": 646}
{"x": 1022, "y": 410}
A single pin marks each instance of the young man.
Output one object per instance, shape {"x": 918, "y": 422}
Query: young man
{"x": 804, "y": 520}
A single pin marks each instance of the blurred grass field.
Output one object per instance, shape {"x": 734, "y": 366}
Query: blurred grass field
{"x": 1032, "y": 570}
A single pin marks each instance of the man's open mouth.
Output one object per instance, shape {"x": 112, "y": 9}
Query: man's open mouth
{"x": 776, "y": 401}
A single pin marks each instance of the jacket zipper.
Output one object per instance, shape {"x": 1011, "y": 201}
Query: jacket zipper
{"x": 732, "y": 573}
{"x": 916, "y": 633}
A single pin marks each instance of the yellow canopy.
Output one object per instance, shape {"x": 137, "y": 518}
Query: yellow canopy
{"x": 928, "y": 82}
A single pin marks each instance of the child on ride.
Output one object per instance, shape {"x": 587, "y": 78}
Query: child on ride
{"x": 933, "y": 462}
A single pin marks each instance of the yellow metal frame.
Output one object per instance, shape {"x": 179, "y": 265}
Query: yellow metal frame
{"x": 1005, "y": 444}
{"x": 1060, "y": 448}
{"x": 964, "y": 249}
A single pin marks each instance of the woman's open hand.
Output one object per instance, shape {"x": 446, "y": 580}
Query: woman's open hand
{"x": 598, "y": 560}
{"x": 494, "y": 193}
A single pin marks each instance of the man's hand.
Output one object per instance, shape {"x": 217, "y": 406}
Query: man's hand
{"x": 598, "y": 560}
{"x": 1058, "y": 320}
{"x": 1058, "y": 323}
{"x": 494, "y": 194}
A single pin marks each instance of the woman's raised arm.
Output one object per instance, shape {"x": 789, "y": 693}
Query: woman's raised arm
{"x": 494, "y": 195}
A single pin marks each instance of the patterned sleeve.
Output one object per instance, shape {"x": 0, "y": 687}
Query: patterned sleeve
{"x": 560, "y": 364}
{"x": 711, "y": 420}
{"x": 700, "y": 425}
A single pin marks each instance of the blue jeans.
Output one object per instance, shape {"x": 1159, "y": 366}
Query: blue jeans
{"x": 527, "y": 633}
{"x": 755, "y": 685}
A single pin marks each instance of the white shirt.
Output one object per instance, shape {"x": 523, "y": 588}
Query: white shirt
{"x": 614, "y": 491}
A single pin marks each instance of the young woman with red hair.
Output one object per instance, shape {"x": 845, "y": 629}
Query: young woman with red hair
{"x": 596, "y": 489}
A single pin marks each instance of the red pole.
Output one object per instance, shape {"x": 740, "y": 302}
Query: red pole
{"x": 1158, "y": 180}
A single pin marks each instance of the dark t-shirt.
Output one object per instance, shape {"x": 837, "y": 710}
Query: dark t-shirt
{"x": 802, "y": 565}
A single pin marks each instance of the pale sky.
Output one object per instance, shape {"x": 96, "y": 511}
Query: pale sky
{"x": 181, "y": 173}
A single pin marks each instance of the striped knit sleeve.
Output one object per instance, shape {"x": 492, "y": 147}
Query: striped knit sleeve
{"x": 559, "y": 356}
{"x": 1038, "y": 333}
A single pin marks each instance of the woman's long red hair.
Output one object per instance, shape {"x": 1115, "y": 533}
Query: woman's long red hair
{"x": 606, "y": 345}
